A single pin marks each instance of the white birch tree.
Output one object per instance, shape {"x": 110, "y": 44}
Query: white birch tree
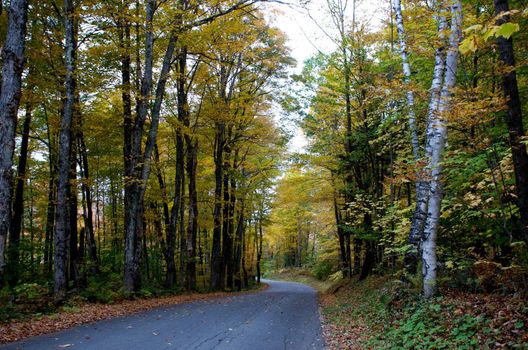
{"x": 436, "y": 141}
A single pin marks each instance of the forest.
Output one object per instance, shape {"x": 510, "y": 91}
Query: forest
{"x": 146, "y": 149}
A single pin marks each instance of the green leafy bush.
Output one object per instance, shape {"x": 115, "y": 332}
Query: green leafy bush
{"x": 423, "y": 325}
{"x": 322, "y": 269}
{"x": 103, "y": 289}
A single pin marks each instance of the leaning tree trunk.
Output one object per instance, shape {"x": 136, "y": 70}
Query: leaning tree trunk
{"x": 514, "y": 118}
{"x": 437, "y": 136}
{"x": 61, "y": 214}
{"x": 12, "y": 67}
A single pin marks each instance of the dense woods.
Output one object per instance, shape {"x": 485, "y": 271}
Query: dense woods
{"x": 144, "y": 145}
{"x": 416, "y": 149}
{"x": 142, "y": 152}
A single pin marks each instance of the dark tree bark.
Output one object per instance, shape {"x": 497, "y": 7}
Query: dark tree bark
{"x": 139, "y": 168}
{"x": 192, "y": 227}
{"x": 163, "y": 189}
{"x": 12, "y": 67}
{"x": 514, "y": 119}
{"x": 259, "y": 239}
{"x": 216, "y": 253}
{"x": 73, "y": 203}
{"x": 52, "y": 197}
{"x": 62, "y": 223}
{"x": 87, "y": 190}
{"x": 18, "y": 204}
{"x": 227, "y": 241}
{"x": 343, "y": 262}
{"x": 239, "y": 245}
{"x": 177, "y": 207}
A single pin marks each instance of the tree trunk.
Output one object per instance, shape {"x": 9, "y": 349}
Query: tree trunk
{"x": 88, "y": 222}
{"x": 140, "y": 163}
{"x": 18, "y": 204}
{"x": 231, "y": 261}
{"x": 239, "y": 246}
{"x": 227, "y": 240}
{"x": 411, "y": 258}
{"x": 260, "y": 239}
{"x": 514, "y": 119}
{"x": 341, "y": 237}
{"x": 62, "y": 223}
{"x": 216, "y": 254}
{"x": 52, "y": 196}
{"x": 437, "y": 136}
{"x": 12, "y": 67}
{"x": 422, "y": 188}
{"x": 192, "y": 227}
{"x": 73, "y": 201}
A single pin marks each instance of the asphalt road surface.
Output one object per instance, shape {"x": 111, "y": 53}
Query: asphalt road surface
{"x": 284, "y": 316}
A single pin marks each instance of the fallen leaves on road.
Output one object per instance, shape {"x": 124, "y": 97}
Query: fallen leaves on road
{"x": 87, "y": 313}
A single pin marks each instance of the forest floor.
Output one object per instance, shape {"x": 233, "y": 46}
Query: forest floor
{"x": 380, "y": 313}
{"x": 78, "y": 312}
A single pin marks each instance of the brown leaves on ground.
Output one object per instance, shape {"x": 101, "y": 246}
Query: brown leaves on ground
{"x": 344, "y": 323}
{"x": 87, "y": 313}
{"x": 507, "y": 315}
{"x": 356, "y": 313}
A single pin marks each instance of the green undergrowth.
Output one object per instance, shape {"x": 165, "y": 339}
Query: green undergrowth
{"x": 29, "y": 300}
{"x": 398, "y": 318}
{"x": 383, "y": 313}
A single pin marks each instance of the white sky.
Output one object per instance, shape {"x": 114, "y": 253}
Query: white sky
{"x": 305, "y": 29}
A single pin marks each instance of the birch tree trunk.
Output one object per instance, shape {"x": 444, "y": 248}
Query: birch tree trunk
{"x": 411, "y": 258}
{"x": 407, "y": 78}
{"x": 422, "y": 188}
{"x": 12, "y": 66}
{"x": 437, "y": 136}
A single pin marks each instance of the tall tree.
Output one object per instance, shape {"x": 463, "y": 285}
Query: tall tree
{"x": 514, "y": 117}
{"x": 436, "y": 141}
{"x": 411, "y": 258}
{"x": 12, "y": 67}
{"x": 62, "y": 215}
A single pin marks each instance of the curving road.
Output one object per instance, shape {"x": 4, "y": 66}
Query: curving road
{"x": 284, "y": 316}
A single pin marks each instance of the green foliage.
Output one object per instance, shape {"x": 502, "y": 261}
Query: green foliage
{"x": 103, "y": 289}
{"x": 323, "y": 268}
{"x": 423, "y": 326}
{"x": 25, "y": 299}
{"x": 29, "y": 292}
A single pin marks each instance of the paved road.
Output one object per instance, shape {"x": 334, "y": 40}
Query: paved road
{"x": 284, "y": 316}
